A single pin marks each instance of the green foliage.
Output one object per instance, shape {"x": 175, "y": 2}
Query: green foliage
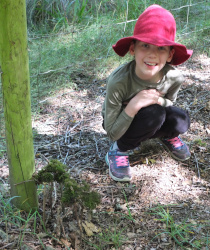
{"x": 11, "y": 217}
{"x": 200, "y": 142}
{"x": 54, "y": 171}
{"x": 111, "y": 236}
{"x": 7, "y": 214}
{"x": 55, "y": 14}
{"x": 79, "y": 9}
{"x": 183, "y": 233}
{"x": 129, "y": 211}
{"x": 179, "y": 232}
{"x": 63, "y": 13}
{"x": 83, "y": 41}
{"x": 73, "y": 192}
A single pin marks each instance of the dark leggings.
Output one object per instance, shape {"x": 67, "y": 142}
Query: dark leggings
{"x": 154, "y": 121}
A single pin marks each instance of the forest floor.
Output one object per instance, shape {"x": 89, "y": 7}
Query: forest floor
{"x": 165, "y": 206}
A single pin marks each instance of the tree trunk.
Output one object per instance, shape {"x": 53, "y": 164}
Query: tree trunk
{"x": 17, "y": 103}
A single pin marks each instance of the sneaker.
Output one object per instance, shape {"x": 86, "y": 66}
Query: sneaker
{"x": 177, "y": 148}
{"x": 119, "y": 167}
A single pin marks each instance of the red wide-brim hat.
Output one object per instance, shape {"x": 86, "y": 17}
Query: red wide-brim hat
{"x": 156, "y": 26}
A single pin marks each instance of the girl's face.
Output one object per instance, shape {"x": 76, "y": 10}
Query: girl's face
{"x": 150, "y": 59}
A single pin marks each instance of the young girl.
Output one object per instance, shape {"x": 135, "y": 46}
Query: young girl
{"x": 140, "y": 94}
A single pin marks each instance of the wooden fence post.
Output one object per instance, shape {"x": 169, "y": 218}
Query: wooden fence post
{"x": 17, "y": 103}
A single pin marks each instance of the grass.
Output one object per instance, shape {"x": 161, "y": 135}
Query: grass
{"x": 112, "y": 236}
{"x": 108, "y": 238}
{"x": 12, "y": 218}
{"x": 200, "y": 142}
{"x": 184, "y": 233}
{"x": 31, "y": 226}
{"x": 130, "y": 217}
{"x": 82, "y": 41}
{"x": 85, "y": 45}
{"x": 17, "y": 226}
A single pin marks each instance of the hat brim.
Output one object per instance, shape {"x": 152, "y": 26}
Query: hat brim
{"x": 181, "y": 53}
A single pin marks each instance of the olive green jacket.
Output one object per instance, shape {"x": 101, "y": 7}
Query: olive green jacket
{"x": 123, "y": 84}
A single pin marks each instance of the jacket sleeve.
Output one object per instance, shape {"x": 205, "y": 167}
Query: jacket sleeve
{"x": 171, "y": 95}
{"x": 116, "y": 121}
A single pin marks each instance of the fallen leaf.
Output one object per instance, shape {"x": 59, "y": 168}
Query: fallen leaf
{"x": 90, "y": 228}
{"x": 193, "y": 222}
{"x": 131, "y": 235}
{"x": 65, "y": 242}
{"x": 42, "y": 235}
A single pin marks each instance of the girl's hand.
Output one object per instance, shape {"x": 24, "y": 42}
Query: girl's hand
{"x": 143, "y": 99}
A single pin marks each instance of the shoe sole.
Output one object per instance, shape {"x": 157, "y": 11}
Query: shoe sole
{"x": 173, "y": 156}
{"x": 126, "y": 179}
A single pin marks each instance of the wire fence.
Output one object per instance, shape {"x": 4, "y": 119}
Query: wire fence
{"x": 56, "y": 59}
{"x": 195, "y": 23}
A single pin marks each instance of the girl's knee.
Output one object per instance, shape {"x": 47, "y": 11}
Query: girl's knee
{"x": 153, "y": 116}
{"x": 178, "y": 118}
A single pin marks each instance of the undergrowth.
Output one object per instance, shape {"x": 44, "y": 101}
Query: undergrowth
{"x": 184, "y": 233}
{"x": 71, "y": 191}
{"x": 16, "y": 227}
{"x": 71, "y": 194}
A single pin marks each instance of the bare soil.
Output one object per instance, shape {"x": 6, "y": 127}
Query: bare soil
{"x": 68, "y": 128}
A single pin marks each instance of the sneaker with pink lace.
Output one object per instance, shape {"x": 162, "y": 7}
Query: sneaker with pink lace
{"x": 119, "y": 167}
{"x": 177, "y": 148}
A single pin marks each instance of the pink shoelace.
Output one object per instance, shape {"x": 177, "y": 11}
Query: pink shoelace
{"x": 176, "y": 142}
{"x": 122, "y": 161}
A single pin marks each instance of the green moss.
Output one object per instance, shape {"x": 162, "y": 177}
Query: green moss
{"x": 73, "y": 192}
{"x": 54, "y": 171}
{"x": 91, "y": 200}
{"x": 45, "y": 177}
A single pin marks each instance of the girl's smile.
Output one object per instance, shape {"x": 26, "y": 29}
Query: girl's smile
{"x": 150, "y": 59}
